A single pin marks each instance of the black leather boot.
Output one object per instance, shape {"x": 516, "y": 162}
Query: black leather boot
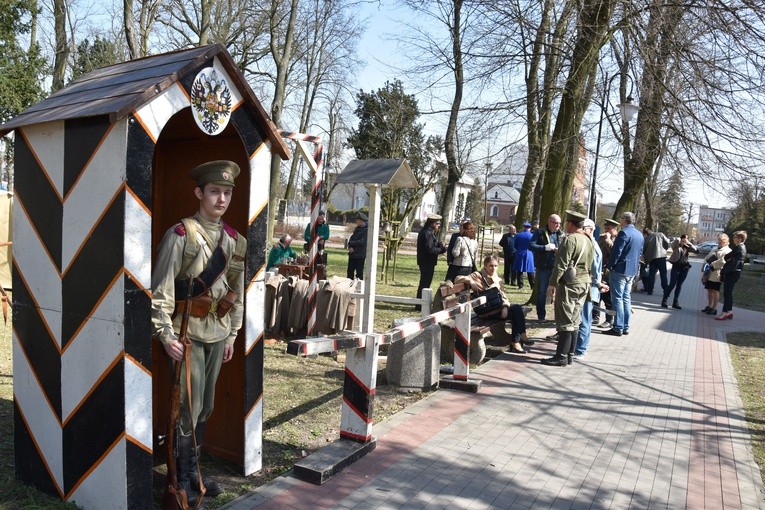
{"x": 561, "y": 352}
{"x": 182, "y": 463}
{"x": 213, "y": 488}
{"x": 664, "y": 303}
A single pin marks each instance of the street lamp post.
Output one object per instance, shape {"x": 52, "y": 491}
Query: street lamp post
{"x": 627, "y": 111}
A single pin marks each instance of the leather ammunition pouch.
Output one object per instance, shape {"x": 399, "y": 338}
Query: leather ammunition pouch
{"x": 204, "y": 304}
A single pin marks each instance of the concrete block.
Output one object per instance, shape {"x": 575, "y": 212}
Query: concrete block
{"x": 319, "y": 467}
{"x": 413, "y": 363}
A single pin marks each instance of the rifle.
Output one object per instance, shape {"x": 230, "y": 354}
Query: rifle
{"x": 175, "y": 496}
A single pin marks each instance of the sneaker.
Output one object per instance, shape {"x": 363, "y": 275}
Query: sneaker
{"x": 580, "y": 356}
{"x": 605, "y": 325}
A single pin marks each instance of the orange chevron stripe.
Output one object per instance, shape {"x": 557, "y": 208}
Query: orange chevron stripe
{"x": 95, "y": 224}
{"x": 257, "y": 340}
{"x": 95, "y": 306}
{"x": 247, "y": 416}
{"x": 37, "y": 447}
{"x": 138, "y": 200}
{"x": 20, "y": 202}
{"x": 257, "y": 151}
{"x": 184, "y": 92}
{"x": 138, "y": 364}
{"x": 144, "y": 126}
{"x": 257, "y": 213}
{"x": 42, "y": 167}
{"x": 137, "y": 282}
{"x": 37, "y": 305}
{"x": 237, "y": 105}
{"x": 139, "y": 444}
{"x": 92, "y": 155}
{"x": 39, "y": 385}
{"x": 95, "y": 465}
{"x": 93, "y": 387}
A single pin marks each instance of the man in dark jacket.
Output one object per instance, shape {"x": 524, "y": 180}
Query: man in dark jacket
{"x": 655, "y": 245}
{"x": 508, "y": 251}
{"x": 357, "y": 248}
{"x": 428, "y": 250}
{"x": 545, "y": 244}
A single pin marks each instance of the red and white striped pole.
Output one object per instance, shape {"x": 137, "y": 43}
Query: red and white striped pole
{"x": 315, "y": 163}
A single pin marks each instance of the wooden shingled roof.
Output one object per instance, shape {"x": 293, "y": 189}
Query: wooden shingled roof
{"x": 120, "y": 89}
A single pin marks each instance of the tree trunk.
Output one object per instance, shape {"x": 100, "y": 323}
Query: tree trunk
{"x": 454, "y": 173}
{"x": 658, "y": 53}
{"x": 62, "y": 47}
{"x": 128, "y": 20}
{"x": 563, "y": 160}
{"x": 282, "y": 55}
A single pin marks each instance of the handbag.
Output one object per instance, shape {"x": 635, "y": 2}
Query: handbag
{"x": 493, "y": 301}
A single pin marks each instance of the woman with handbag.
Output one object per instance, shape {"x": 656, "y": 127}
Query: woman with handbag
{"x": 487, "y": 281}
{"x": 463, "y": 253}
{"x": 711, "y": 278}
{"x": 731, "y": 272}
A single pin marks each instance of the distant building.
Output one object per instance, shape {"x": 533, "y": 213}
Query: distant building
{"x": 712, "y": 222}
{"x": 501, "y": 203}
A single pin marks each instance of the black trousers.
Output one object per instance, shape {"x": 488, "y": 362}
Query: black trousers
{"x": 518, "y": 321}
{"x": 676, "y": 279}
{"x": 426, "y": 278}
{"x": 729, "y": 282}
{"x": 511, "y": 277}
{"x": 356, "y": 267}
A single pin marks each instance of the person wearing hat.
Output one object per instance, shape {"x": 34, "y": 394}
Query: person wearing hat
{"x": 507, "y": 242}
{"x": 605, "y": 243}
{"x": 524, "y": 258}
{"x": 205, "y": 247}
{"x": 597, "y": 286}
{"x": 429, "y": 247}
{"x": 357, "y": 247}
{"x": 570, "y": 283}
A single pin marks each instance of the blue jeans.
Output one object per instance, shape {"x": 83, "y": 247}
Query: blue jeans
{"x": 543, "y": 277}
{"x": 621, "y": 298}
{"x": 585, "y": 327}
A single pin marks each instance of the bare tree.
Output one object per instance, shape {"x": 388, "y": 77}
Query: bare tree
{"x": 61, "y": 50}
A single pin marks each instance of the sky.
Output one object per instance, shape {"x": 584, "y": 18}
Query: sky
{"x": 380, "y": 54}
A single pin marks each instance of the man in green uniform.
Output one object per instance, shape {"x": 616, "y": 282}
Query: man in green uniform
{"x": 213, "y": 252}
{"x": 569, "y": 290}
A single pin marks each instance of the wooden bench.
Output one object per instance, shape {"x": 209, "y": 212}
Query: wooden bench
{"x": 451, "y": 295}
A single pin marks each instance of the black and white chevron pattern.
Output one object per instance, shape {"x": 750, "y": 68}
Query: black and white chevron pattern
{"x": 81, "y": 279}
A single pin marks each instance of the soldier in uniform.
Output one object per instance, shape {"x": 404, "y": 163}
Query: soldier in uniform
{"x": 205, "y": 247}
{"x": 575, "y": 251}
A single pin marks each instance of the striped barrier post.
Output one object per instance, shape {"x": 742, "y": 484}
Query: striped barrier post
{"x": 462, "y": 346}
{"x": 361, "y": 362}
{"x": 359, "y": 390}
{"x": 315, "y": 163}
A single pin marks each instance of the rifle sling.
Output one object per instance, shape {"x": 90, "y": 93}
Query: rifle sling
{"x": 212, "y": 271}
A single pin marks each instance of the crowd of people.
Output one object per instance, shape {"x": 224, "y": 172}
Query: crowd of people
{"x": 605, "y": 271}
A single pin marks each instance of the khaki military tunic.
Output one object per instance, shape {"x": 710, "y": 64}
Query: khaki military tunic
{"x": 184, "y": 250}
{"x": 569, "y": 297}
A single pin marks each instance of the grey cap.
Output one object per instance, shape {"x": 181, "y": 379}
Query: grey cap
{"x": 361, "y": 216}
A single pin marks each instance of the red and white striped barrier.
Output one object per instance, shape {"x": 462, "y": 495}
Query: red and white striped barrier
{"x": 362, "y": 356}
{"x": 315, "y": 163}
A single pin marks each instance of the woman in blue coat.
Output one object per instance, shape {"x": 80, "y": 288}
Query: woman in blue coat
{"x": 524, "y": 257}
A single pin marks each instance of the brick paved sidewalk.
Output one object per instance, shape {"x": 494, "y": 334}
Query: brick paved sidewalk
{"x": 649, "y": 420}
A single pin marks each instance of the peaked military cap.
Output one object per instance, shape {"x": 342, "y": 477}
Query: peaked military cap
{"x": 434, "y": 217}
{"x": 574, "y": 216}
{"x": 218, "y": 172}
{"x": 361, "y": 216}
{"x": 611, "y": 222}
